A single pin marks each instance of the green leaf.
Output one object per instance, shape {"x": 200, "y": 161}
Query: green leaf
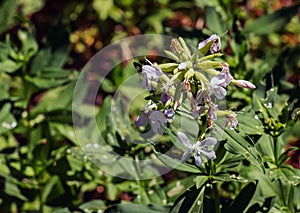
{"x": 107, "y": 86}
{"x": 93, "y": 205}
{"x": 7, "y": 120}
{"x": 158, "y": 196}
{"x": 191, "y": 199}
{"x": 243, "y": 199}
{"x": 112, "y": 191}
{"x": 7, "y": 12}
{"x": 12, "y": 189}
{"x": 53, "y": 189}
{"x": 236, "y": 144}
{"x": 102, "y": 7}
{"x": 41, "y": 60}
{"x": 265, "y": 145}
{"x": 43, "y": 83}
{"x": 137, "y": 208}
{"x": 214, "y": 21}
{"x": 201, "y": 180}
{"x": 257, "y": 106}
{"x": 170, "y": 162}
{"x": 188, "y": 199}
{"x": 285, "y": 173}
{"x": 226, "y": 177}
{"x": 265, "y": 208}
{"x": 249, "y": 124}
{"x": 9, "y": 66}
{"x": 59, "y": 98}
{"x": 274, "y": 103}
{"x": 175, "y": 188}
{"x": 29, "y": 44}
{"x": 271, "y": 22}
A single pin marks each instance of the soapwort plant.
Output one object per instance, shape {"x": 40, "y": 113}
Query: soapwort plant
{"x": 195, "y": 78}
{"x": 193, "y": 85}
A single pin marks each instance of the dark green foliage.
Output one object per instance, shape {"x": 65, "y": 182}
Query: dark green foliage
{"x": 42, "y": 166}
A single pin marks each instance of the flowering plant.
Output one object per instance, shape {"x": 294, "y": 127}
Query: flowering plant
{"x": 192, "y": 84}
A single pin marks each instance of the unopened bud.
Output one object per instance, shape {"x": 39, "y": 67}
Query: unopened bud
{"x": 168, "y": 67}
{"x": 244, "y": 84}
{"x": 189, "y": 74}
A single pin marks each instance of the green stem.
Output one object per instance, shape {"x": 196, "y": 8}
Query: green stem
{"x": 216, "y": 197}
{"x": 282, "y": 192}
{"x": 275, "y": 152}
{"x": 215, "y": 192}
{"x": 41, "y": 204}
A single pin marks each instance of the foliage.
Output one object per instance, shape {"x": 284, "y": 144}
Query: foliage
{"x": 42, "y": 167}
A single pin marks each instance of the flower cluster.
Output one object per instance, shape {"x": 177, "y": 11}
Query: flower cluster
{"x": 194, "y": 78}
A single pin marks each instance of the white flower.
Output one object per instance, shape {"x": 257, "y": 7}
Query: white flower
{"x": 215, "y": 84}
{"x": 214, "y": 41}
{"x": 201, "y": 148}
{"x": 231, "y": 120}
{"x": 182, "y": 66}
{"x": 150, "y": 73}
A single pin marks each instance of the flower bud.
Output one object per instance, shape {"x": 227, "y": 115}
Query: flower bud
{"x": 213, "y": 43}
{"x": 189, "y": 74}
{"x": 244, "y": 84}
{"x": 167, "y": 67}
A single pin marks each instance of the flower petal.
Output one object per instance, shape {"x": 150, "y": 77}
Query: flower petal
{"x": 182, "y": 66}
{"x": 169, "y": 113}
{"x": 186, "y": 155}
{"x": 219, "y": 92}
{"x": 198, "y": 160}
{"x": 184, "y": 140}
{"x": 210, "y": 41}
{"x": 210, "y": 154}
{"x": 165, "y": 98}
{"x": 212, "y": 111}
{"x": 210, "y": 141}
{"x": 217, "y": 80}
{"x": 141, "y": 120}
{"x": 157, "y": 119}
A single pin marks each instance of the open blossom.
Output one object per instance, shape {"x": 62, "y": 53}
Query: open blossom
{"x": 165, "y": 98}
{"x": 156, "y": 120}
{"x": 231, "y": 120}
{"x": 215, "y": 46}
{"x": 212, "y": 111}
{"x": 202, "y": 96}
{"x": 216, "y": 86}
{"x": 197, "y": 109}
{"x": 225, "y": 75}
{"x": 200, "y": 149}
{"x": 150, "y": 73}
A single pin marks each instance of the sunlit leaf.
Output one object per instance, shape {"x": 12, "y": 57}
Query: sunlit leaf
{"x": 214, "y": 21}
{"x": 236, "y": 144}
{"x": 271, "y": 22}
{"x": 7, "y": 11}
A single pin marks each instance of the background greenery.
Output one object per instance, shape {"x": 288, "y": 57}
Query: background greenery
{"x": 44, "y": 45}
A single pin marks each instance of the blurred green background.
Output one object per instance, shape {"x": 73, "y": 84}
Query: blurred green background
{"x": 45, "y": 44}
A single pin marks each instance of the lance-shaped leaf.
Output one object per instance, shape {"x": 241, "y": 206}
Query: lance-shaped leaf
{"x": 236, "y": 144}
{"x": 272, "y": 22}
